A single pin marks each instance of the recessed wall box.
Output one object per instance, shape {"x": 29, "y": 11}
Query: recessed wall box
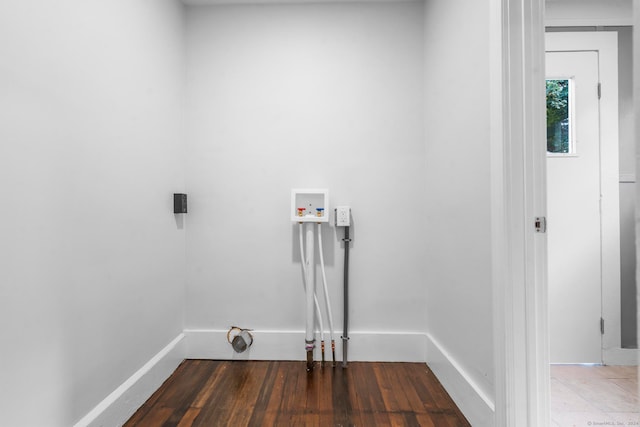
{"x": 310, "y": 205}
{"x": 179, "y": 203}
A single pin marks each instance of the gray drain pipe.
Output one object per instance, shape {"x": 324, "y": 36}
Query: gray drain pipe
{"x": 345, "y": 333}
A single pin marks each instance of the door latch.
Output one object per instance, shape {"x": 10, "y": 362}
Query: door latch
{"x": 541, "y": 224}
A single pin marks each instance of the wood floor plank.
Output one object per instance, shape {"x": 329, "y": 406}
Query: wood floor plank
{"x": 435, "y": 400}
{"x": 325, "y": 404}
{"x": 189, "y": 416}
{"x": 211, "y": 385}
{"x": 157, "y": 417}
{"x": 217, "y": 406}
{"x": 251, "y": 393}
{"x": 174, "y": 397}
{"x": 391, "y": 397}
{"x": 425, "y": 420}
{"x": 222, "y": 405}
{"x": 374, "y": 396}
{"x": 143, "y": 411}
{"x": 340, "y": 398}
{"x": 360, "y": 415}
{"x": 277, "y": 395}
{"x": 416, "y": 402}
{"x": 264, "y": 396}
{"x": 247, "y": 397}
{"x": 186, "y": 392}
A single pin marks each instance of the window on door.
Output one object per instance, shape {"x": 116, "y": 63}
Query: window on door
{"x": 559, "y": 135}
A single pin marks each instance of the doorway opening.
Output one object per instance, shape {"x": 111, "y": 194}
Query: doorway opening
{"x": 591, "y": 227}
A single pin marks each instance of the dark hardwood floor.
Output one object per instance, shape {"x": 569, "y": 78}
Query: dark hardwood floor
{"x": 239, "y": 393}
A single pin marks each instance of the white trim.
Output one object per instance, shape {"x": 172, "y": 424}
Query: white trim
{"x": 118, "y": 406}
{"x": 606, "y": 44}
{"x": 518, "y": 253}
{"x": 622, "y": 356}
{"x": 289, "y": 345}
{"x": 594, "y": 22}
{"x": 500, "y": 255}
{"x": 561, "y": 155}
{"x": 245, "y": 2}
{"x": 475, "y": 404}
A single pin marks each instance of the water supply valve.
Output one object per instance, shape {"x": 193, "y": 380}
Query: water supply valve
{"x": 309, "y": 205}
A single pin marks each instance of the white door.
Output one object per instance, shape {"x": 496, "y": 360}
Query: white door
{"x": 573, "y": 209}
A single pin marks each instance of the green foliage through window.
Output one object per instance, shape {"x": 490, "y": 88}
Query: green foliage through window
{"x": 558, "y": 116}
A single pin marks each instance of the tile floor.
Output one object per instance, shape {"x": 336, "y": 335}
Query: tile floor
{"x": 584, "y": 396}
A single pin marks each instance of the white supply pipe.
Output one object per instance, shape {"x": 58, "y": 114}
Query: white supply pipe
{"x": 324, "y": 283}
{"x": 309, "y": 271}
{"x": 310, "y": 262}
{"x": 304, "y": 283}
{"x": 311, "y": 289}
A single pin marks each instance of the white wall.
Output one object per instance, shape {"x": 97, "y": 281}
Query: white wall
{"x": 459, "y": 287}
{"x": 294, "y": 96}
{"x": 91, "y": 259}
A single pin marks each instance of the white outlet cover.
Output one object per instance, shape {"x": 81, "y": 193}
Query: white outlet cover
{"x": 343, "y": 216}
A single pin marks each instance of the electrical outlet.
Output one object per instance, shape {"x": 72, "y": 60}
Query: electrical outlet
{"x": 343, "y": 216}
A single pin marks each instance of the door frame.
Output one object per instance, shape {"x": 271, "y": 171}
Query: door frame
{"x": 518, "y": 179}
{"x": 606, "y": 45}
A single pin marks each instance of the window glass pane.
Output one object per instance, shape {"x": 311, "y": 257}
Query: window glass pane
{"x": 558, "y": 126}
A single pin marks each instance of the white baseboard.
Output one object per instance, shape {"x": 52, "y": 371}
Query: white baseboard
{"x": 118, "y": 407}
{"x": 477, "y": 407}
{"x": 622, "y": 356}
{"x": 289, "y": 345}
